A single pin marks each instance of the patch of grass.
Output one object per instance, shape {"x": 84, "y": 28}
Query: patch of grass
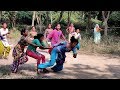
{"x": 14, "y": 36}
{"x": 108, "y": 45}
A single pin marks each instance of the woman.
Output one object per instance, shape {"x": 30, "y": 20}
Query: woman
{"x": 31, "y": 50}
{"x": 4, "y": 45}
{"x": 70, "y": 30}
{"x": 48, "y": 30}
{"x": 77, "y": 34}
{"x": 97, "y": 35}
{"x": 58, "y": 54}
{"x": 18, "y": 53}
{"x": 56, "y": 35}
{"x": 32, "y": 33}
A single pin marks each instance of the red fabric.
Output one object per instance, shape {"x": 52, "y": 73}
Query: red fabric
{"x": 39, "y": 57}
{"x": 49, "y": 51}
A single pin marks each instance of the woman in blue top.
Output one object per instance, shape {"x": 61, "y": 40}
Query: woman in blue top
{"x": 58, "y": 54}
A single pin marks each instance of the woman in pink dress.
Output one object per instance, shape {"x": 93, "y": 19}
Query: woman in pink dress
{"x": 56, "y": 35}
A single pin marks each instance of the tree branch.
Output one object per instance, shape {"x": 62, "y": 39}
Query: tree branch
{"x": 103, "y": 14}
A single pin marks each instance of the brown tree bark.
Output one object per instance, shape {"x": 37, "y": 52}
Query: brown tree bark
{"x": 61, "y": 14}
{"x": 33, "y": 18}
{"x": 105, "y": 15}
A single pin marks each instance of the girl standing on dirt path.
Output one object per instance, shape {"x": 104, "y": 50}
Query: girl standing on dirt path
{"x": 48, "y": 31}
{"x": 70, "y": 30}
{"x": 56, "y": 35}
{"x": 4, "y": 45}
{"x": 77, "y": 34}
{"x": 31, "y": 50}
{"x": 58, "y": 54}
{"x": 18, "y": 53}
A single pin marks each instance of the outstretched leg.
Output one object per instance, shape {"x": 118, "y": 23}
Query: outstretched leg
{"x": 54, "y": 54}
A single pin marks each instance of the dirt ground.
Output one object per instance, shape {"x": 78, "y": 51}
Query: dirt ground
{"x": 83, "y": 67}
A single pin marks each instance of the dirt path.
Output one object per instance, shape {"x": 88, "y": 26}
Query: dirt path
{"x": 83, "y": 67}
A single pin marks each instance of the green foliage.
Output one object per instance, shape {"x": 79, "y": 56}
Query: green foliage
{"x": 114, "y": 19}
{"x": 24, "y": 17}
{"x": 115, "y": 16}
{"x": 95, "y": 21}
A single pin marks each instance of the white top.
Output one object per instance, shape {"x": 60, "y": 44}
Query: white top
{"x": 4, "y": 41}
{"x": 77, "y": 35}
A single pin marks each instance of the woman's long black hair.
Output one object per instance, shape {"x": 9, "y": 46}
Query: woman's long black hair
{"x": 38, "y": 36}
{"x": 73, "y": 39}
{"x": 23, "y": 31}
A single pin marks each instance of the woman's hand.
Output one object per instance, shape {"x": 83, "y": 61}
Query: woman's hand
{"x": 41, "y": 47}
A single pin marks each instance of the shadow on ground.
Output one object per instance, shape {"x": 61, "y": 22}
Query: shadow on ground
{"x": 115, "y": 69}
{"x": 77, "y": 71}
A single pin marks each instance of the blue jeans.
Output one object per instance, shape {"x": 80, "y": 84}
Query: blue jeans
{"x": 52, "y": 61}
{"x": 59, "y": 58}
{"x": 59, "y": 63}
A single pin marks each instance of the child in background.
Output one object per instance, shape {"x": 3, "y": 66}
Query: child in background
{"x": 48, "y": 31}
{"x": 70, "y": 30}
{"x": 32, "y": 33}
{"x": 77, "y": 34}
{"x": 4, "y": 45}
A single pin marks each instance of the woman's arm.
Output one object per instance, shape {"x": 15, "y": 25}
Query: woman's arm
{"x": 42, "y": 47}
{"x": 50, "y": 35}
{"x": 45, "y": 34}
{"x": 6, "y": 34}
{"x": 67, "y": 29}
{"x": 30, "y": 42}
{"x": 63, "y": 37}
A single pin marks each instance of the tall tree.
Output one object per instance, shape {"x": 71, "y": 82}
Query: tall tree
{"x": 12, "y": 17}
{"x": 61, "y": 14}
{"x": 69, "y": 15}
{"x": 0, "y": 15}
{"x": 51, "y": 17}
{"x": 47, "y": 18}
{"x": 89, "y": 21}
{"x": 39, "y": 21}
{"x": 33, "y": 18}
{"x": 105, "y": 15}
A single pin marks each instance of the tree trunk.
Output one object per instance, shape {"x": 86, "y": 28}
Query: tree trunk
{"x": 33, "y": 18}
{"x": 40, "y": 22}
{"x": 47, "y": 19}
{"x": 0, "y": 15}
{"x": 14, "y": 19}
{"x": 83, "y": 15}
{"x": 106, "y": 27}
{"x": 68, "y": 17}
{"x": 89, "y": 21}
{"x": 105, "y": 15}
{"x": 61, "y": 14}
{"x": 51, "y": 16}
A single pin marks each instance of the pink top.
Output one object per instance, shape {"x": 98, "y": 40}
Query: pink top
{"x": 55, "y": 36}
{"x": 71, "y": 29}
{"x": 47, "y": 32}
